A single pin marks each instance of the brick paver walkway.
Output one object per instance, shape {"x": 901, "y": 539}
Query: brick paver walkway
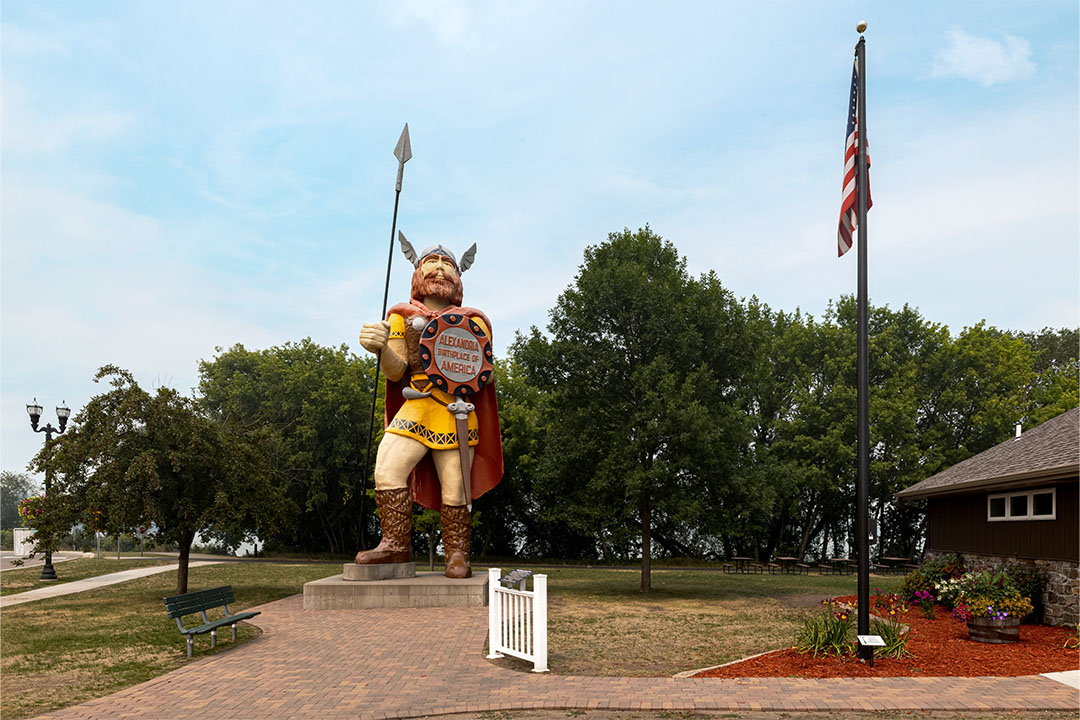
{"x": 409, "y": 663}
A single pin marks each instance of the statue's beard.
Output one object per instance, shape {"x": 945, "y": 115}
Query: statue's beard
{"x": 446, "y": 289}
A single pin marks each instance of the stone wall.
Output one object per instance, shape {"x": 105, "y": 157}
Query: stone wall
{"x": 1061, "y": 599}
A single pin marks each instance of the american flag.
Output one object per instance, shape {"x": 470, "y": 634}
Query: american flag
{"x": 849, "y": 211}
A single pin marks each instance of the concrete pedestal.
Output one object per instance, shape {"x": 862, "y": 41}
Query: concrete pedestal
{"x": 382, "y": 571}
{"x": 427, "y": 589}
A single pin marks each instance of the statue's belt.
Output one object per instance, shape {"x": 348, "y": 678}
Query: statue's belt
{"x": 460, "y": 409}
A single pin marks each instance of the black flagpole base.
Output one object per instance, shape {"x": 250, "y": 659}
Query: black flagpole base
{"x": 48, "y": 573}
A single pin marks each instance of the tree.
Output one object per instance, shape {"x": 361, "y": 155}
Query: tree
{"x": 131, "y": 457}
{"x": 14, "y": 487}
{"x": 641, "y": 371}
{"x": 316, "y": 402}
{"x": 514, "y": 524}
{"x": 1055, "y": 387}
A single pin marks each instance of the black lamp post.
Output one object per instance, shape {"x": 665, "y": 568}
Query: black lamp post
{"x": 62, "y": 414}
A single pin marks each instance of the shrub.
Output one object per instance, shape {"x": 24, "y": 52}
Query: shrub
{"x": 929, "y": 576}
{"x": 949, "y": 590}
{"x": 1029, "y": 581}
{"x": 915, "y": 582}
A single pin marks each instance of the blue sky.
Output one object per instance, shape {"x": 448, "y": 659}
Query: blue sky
{"x": 177, "y": 177}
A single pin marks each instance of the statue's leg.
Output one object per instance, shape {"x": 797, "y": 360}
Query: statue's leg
{"x": 396, "y": 458}
{"x": 456, "y": 518}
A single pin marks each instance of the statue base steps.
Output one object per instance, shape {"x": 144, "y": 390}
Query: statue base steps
{"x": 426, "y": 589}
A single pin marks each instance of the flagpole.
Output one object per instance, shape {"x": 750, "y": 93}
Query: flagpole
{"x": 863, "y": 372}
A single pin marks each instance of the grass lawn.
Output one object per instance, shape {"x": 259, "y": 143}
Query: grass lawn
{"x": 599, "y": 623}
{"x": 65, "y": 650}
{"x": 23, "y": 579}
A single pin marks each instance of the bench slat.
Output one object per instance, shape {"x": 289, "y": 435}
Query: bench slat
{"x": 198, "y": 601}
{"x": 214, "y": 624}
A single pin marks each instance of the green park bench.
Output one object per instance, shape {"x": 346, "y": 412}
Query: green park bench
{"x": 200, "y": 601}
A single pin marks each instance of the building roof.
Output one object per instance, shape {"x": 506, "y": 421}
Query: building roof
{"x": 1046, "y": 452}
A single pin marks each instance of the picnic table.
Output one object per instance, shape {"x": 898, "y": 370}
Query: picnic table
{"x": 742, "y": 564}
{"x": 788, "y": 564}
{"x": 895, "y": 563}
{"x": 839, "y": 566}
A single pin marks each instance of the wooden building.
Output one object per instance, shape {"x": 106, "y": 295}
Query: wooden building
{"x": 1017, "y": 500}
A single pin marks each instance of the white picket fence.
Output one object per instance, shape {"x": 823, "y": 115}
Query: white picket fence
{"x": 517, "y": 620}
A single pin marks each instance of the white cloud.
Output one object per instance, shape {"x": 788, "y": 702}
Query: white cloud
{"x": 444, "y": 18}
{"x": 28, "y": 131}
{"x": 983, "y": 60}
{"x": 20, "y": 42}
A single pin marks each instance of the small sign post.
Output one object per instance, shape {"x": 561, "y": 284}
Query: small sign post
{"x": 871, "y": 642}
{"x": 142, "y": 539}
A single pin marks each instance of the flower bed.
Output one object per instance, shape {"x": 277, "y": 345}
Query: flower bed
{"x": 940, "y": 647}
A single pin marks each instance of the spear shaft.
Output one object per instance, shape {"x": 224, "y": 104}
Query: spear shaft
{"x": 403, "y": 151}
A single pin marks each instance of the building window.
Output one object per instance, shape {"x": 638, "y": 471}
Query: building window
{"x": 1027, "y": 505}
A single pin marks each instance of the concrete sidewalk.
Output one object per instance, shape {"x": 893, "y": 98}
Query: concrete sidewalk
{"x": 8, "y": 558}
{"x": 340, "y": 664}
{"x": 76, "y": 586}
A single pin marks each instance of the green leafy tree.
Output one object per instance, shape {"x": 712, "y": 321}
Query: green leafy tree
{"x": 132, "y": 456}
{"x": 514, "y": 524}
{"x": 1055, "y": 387}
{"x": 427, "y": 523}
{"x": 316, "y": 403}
{"x": 14, "y": 488}
{"x": 640, "y": 369}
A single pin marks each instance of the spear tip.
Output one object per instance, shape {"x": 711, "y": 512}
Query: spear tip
{"x": 403, "y": 151}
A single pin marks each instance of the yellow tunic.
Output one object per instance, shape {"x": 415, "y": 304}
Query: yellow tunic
{"x": 427, "y": 420}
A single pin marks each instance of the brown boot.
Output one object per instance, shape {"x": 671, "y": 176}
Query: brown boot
{"x": 395, "y": 516}
{"x": 456, "y": 538}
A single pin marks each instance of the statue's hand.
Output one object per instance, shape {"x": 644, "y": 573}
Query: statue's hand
{"x": 373, "y": 335}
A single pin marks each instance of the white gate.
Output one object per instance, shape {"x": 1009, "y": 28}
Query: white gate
{"x": 517, "y": 618}
{"x": 24, "y": 541}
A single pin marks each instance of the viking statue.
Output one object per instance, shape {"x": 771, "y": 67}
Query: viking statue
{"x": 442, "y": 446}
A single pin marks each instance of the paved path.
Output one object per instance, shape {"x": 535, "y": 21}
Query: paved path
{"x": 8, "y": 558}
{"x": 410, "y": 663}
{"x": 67, "y": 588}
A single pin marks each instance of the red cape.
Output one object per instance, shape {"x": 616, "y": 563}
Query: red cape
{"x": 487, "y": 464}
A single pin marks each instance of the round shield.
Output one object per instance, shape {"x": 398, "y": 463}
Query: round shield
{"x": 455, "y": 352}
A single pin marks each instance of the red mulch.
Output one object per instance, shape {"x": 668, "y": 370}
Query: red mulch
{"x": 940, "y": 647}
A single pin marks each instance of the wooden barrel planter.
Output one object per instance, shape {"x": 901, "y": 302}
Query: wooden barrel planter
{"x": 985, "y": 630}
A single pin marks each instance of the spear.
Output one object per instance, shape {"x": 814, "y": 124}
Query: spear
{"x": 403, "y": 152}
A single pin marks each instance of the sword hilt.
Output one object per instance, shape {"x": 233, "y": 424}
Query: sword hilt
{"x": 460, "y": 409}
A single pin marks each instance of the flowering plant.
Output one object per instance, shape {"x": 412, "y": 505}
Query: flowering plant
{"x": 925, "y": 601}
{"x": 988, "y": 595}
{"x": 32, "y": 508}
{"x": 830, "y": 632}
{"x": 890, "y": 606}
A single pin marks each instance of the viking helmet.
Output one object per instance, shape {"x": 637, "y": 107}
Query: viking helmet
{"x": 414, "y": 258}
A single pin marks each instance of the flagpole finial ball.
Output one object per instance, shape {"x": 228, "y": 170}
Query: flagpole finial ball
{"x": 861, "y": 27}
